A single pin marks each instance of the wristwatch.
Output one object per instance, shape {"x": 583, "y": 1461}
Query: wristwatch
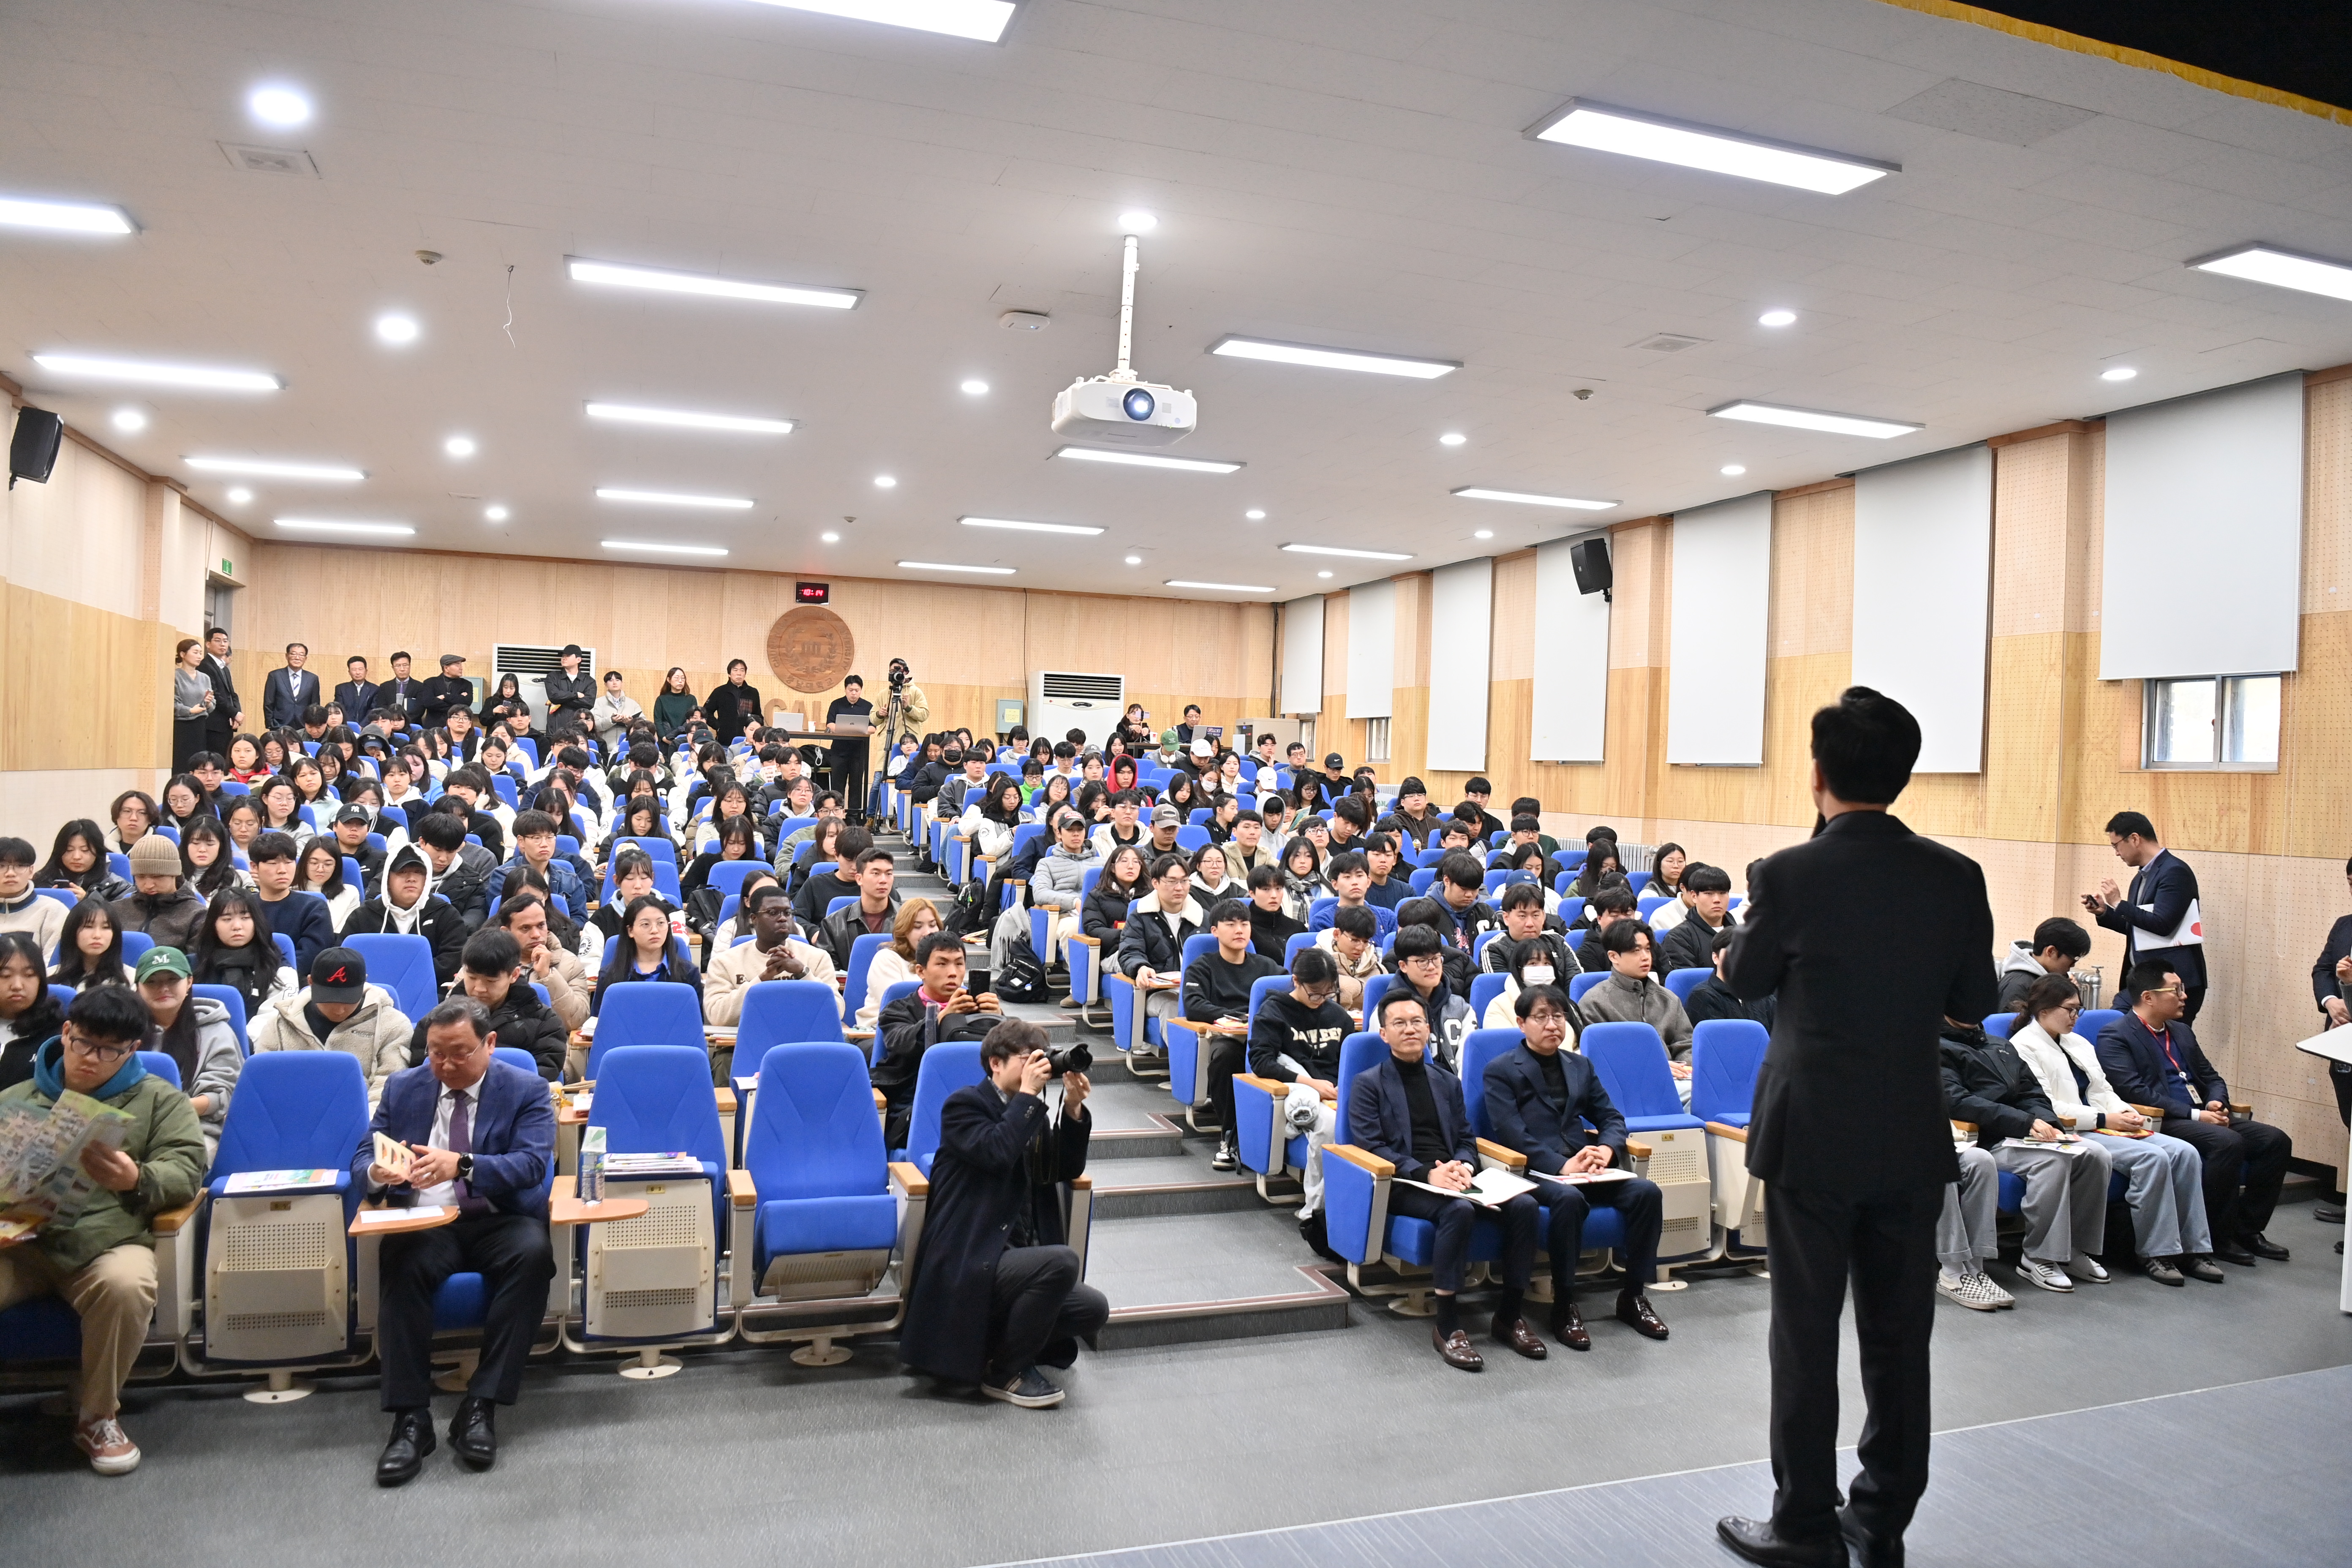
{"x": 464, "y": 1167}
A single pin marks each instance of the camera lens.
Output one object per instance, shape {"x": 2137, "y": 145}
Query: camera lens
{"x": 1137, "y": 404}
{"x": 1073, "y": 1058}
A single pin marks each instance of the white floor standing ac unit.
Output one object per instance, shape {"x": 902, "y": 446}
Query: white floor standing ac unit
{"x": 655, "y": 1275}
{"x": 275, "y": 1285}
{"x": 1061, "y": 700}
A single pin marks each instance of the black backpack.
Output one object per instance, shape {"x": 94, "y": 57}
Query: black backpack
{"x": 968, "y": 913}
{"x": 1021, "y": 978}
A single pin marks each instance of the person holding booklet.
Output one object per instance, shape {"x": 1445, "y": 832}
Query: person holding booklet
{"x": 1550, "y": 1105}
{"x": 1409, "y": 1111}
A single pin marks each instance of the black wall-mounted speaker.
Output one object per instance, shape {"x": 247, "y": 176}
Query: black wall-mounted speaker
{"x": 33, "y": 451}
{"x": 1590, "y": 559}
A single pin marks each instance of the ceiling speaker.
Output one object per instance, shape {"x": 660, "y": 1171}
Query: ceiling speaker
{"x": 32, "y": 451}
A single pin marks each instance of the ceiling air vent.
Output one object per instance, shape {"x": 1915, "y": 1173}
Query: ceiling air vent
{"x": 270, "y": 160}
{"x": 1669, "y": 344}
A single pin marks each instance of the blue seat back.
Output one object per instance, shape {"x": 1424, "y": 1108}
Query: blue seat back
{"x": 1263, "y": 987}
{"x": 1479, "y": 1048}
{"x": 515, "y": 1056}
{"x": 1374, "y": 989}
{"x": 230, "y": 999}
{"x": 647, "y": 1012}
{"x": 1428, "y": 859}
{"x": 792, "y": 825}
{"x": 1996, "y": 1026}
{"x": 1483, "y": 992}
{"x": 63, "y": 996}
{"x": 1683, "y": 982}
{"x": 503, "y": 782}
{"x": 1422, "y": 880}
{"x": 657, "y": 1100}
{"x": 834, "y": 905}
{"x": 1578, "y": 984}
{"x": 135, "y": 944}
{"x": 947, "y": 1066}
{"x": 2095, "y": 1019}
{"x": 1479, "y": 948}
{"x": 1359, "y": 1053}
{"x": 294, "y": 1111}
{"x": 665, "y": 875}
{"x": 1630, "y": 1059}
{"x": 862, "y": 950}
{"x": 775, "y": 1011}
{"x": 161, "y": 1065}
{"x": 728, "y": 876}
{"x": 814, "y": 1134}
{"x": 1319, "y": 907}
{"x": 165, "y": 830}
{"x": 1297, "y": 945}
{"x": 285, "y": 945}
{"x": 402, "y": 965}
{"x": 1724, "y": 1055}
{"x": 1192, "y": 836}
{"x": 1644, "y": 907}
{"x": 68, "y": 897}
{"x": 353, "y": 877}
{"x": 1571, "y": 909}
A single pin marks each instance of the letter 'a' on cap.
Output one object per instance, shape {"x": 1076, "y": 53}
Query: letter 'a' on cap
{"x": 338, "y": 975}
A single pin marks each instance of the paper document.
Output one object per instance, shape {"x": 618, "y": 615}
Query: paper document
{"x": 1489, "y": 1188}
{"x": 278, "y": 1181}
{"x": 2070, "y": 1146}
{"x": 386, "y": 1217}
{"x": 1587, "y": 1178}
{"x": 41, "y": 1179}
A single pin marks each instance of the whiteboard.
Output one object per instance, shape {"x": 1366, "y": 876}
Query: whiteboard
{"x": 1722, "y": 602}
{"x": 1461, "y": 630}
{"x": 1302, "y": 656}
{"x": 1922, "y": 597}
{"x": 1570, "y": 690}
{"x": 1371, "y": 650}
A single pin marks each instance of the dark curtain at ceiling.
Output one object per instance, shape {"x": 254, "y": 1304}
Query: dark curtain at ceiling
{"x": 2302, "y": 47}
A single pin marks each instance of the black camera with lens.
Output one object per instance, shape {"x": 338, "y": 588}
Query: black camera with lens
{"x": 1072, "y": 1057}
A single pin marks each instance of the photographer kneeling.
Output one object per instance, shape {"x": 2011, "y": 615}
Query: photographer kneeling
{"x": 995, "y": 1294}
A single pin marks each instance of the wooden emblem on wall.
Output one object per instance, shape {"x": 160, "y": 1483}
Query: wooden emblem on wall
{"x": 811, "y": 649}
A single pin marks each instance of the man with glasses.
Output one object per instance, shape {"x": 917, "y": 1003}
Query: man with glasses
{"x": 480, "y": 1138}
{"x": 102, "y": 1259}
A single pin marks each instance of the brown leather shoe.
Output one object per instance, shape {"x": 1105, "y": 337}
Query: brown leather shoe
{"x": 1633, "y": 1311}
{"x": 1568, "y": 1327}
{"x": 1520, "y": 1338}
{"x": 1455, "y": 1348}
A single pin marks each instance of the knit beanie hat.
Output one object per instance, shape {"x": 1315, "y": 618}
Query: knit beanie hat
{"x": 155, "y": 856}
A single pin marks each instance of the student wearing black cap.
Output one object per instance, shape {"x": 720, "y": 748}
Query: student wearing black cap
{"x": 1326, "y": 788}
{"x": 570, "y": 690}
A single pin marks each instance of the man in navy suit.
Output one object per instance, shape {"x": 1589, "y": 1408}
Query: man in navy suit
{"x": 1550, "y": 1105}
{"x": 1409, "y": 1111}
{"x": 482, "y": 1137}
{"x": 356, "y": 696}
{"x": 287, "y": 694}
{"x": 2163, "y": 891}
{"x": 400, "y": 694}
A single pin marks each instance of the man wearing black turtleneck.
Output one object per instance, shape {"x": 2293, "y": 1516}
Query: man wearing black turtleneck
{"x": 1411, "y": 1113}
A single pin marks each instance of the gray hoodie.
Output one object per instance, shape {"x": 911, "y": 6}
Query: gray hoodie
{"x": 218, "y": 1062}
{"x": 2018, "y": 970}
{"x": 1059, "y": 875}
{"x": 1621, "y": 1000}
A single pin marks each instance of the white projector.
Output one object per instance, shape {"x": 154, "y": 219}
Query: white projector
{"x": 1118, "y": 412}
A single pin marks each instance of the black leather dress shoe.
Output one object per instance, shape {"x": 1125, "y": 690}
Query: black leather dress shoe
{"x": 1456, "y": 1349}
{"x": 471, "y": 1434}
{"x": 1868, "y": 1551}
{"x": 2231, "y": 1252}
{"x": 1633, "y": 1311}
{"x": 1754, "y": 1540}
{"x": 1520, "y": 1338}
{"x": 2262, "y": 1245}
{"x": 1567, "y": 1326}
{"x": 411, "y": 1439}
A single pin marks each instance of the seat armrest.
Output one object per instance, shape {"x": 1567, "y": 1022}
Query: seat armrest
{"x": 1263, "y": 1085}
{"x": 2153, "y": 1112}
{"x": 1636, "y": 1150}
{"x": 1084, "y": 1183}
{"x": 1094, "y": 942}
{"x": 1361, "y": 1158}
{"x": 1724, "y": 1130}
{"x": 909, "y": 1178}
{"x": 2242, "y": 1108}
{"x": 741, "y": 1191}
{"x": 170, "y": 1221}
{"x": 1497, "y": 1155}
{"x": 1964, "y": 1130}
{"x": 724, "y": 1098}
{"x": 881, "y": 1103}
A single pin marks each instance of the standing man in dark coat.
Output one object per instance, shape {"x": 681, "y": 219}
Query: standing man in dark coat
{"x": 849, "y": 755}
{"x": 732, "y": 703}
{"x": 227, "y": 716}
{"x": 449, "y": 690}
{"x": 995, "y": 1292}
{"x": 356, "y": 697}
{"x": 2162, "y": 900}
{"x": 572, "y": 690}
{"x": 287, "y": 693}
{"x": 1849, "y": 1131}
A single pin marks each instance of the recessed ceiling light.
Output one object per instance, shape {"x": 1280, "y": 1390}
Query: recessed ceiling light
{"x": 1027, "y": 527}
{"x": 396, "y": 329}
{"x": 1480, "y": 492}
{"x": 1733, "y": 471}
{"x": 1322, "y": 573}
{"x": 1452, "y": 438}
{"x": 982, "y": 19}
{"x": 1338, "y": 550}
{"x": 1776, "y": 319}
{"x": 1483, "y": 533}
{"x": 1218, "y": 587}
{"x": 1255, "y": 514}
{"x": 1333, "y": 359}
{"x": 629, "y": 413}
{"x": 278, "y": 106}
{"x": 1135, "y": 561}
{"x": 239, "y": 496}
{"x": 665, "y": 282}
{"x": 68, "y": 217}
{"x": 129, "y": 421}
{"x": 950, "y": 566}
{"x": 1607, "y": 129}
{"x": 459, "y": 446}
{"x": 1135, "y": 221}
{"x": 1147, "y": 460}
{"x": 365, "y": 530}
{"x": 2117, "y": 372}
{"x": 975, "y": 387}
{"x": 495, "y": 514}
{"x": 829, "y": 538}
{"x": 2282, "y": 269}
{"x": 653, "y": 548}
{"x": 1812, "y": 420}
{"x": 667, "y": 497}
{"x": 263, "y": 468}
{"x": 884, "y": 482}
{"x": 152, "y": 374}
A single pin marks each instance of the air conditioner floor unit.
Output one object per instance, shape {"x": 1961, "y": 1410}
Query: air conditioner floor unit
{"x": 655, "y": 1277}
{"x": 275, "y": 1285}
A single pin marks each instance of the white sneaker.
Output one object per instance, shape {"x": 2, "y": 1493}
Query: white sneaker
{"x": 110, "y": 1451}
{"x": 2047, "y": 1276}
{"x": 2000, "y": 1298}
{"x": 2089, "y": 1270}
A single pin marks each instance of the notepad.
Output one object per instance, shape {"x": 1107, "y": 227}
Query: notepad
{"x": 2070, "y": 1147}
{"x": 387, "y": 1216}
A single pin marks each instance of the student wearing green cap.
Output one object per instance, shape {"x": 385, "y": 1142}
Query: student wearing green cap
{"x": 195, "y": 1032}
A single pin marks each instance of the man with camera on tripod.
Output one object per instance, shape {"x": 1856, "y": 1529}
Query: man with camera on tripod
{"x": 995, "y": 1293}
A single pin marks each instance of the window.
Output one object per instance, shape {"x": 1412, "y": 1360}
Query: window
{"x": 2223, "y": 722}
{"x": 1376, "y": 740}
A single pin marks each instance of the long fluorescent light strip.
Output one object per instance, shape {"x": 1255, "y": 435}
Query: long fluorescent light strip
{"x": 1218, "y": 587}
{"x": 663, "y": 548}
{"x": 1479, "y": 492}
{"x": 263, "y": 468}
{"x": 1605, "y": 129}
{"x": 1027, "y": 527}
{"x": 67, "y": 217}
{"x": 147, "y": 373}
{"x": 627, "y": 414}
{"x": 1813, "y": 419}
{"x": 1335, "y": 550}
{"x": 950, "y": 566}
{"x": 1333, "y": 359}
{"x": 365, "y": 530}
{"x": 656, "y": 279}
{"x": 985, "y": 20}
{"x": 1147, "y": 460}
{"x": 2282, "y": 269}
{"x": 665, "y": 498}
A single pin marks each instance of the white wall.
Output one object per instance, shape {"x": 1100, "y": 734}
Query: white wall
{"x": 1921, "y": 574}
{"x": 1461, "y": 636}
{"x": 1302, "y": 656}
{"x": 1570, "y": 686}
{"x": 1371, "y": 650}
{"x": 1722, "y": 604}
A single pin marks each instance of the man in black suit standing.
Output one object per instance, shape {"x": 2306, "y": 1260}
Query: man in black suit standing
{"x": 1849, "y": 1131}
{"x": 400, "y": 694}
{"x": 356, "y": 696}
{"x": 227, "y": 716}
{"x": 2159, "y": 917}
{"x": 287, "y": 693}
{"x": 449, "y": 690}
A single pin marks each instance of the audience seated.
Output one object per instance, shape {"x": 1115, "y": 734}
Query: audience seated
{"x": 461, "y": 871}
{"x": 1295, "y": 1040}
{"x": 1271, "y": 928}
{"x": 29, "y": 1015}
{"x": 89, "y": 949}
{"x": 1604, "y": 909}
{"x": 1152, "y": 945}
{"x": 234, "y": 949}
{"x": 2057, "y": 946}
{"x": 406, "y": 907}
{"x": 1707, "y": 895}
{"x": 1352, "y": 939}
{"x": 873, "y": 914}
{"x": 1216, "y": 994}
{"x": 338, "y": 1011}
{"x": 1967, "y": 1231}
{"x": 493, "y": 974}
{"x": 2065, "y": 1203}
{"x": 648, "y": 949}
{"x": 1714, "y": 998}
{"x": 1526, "y": 954}
{"x": 1632, "y": 995}
{"x": 22, "y": 909}
{"x": 195, "y": 1032}
{"x": 774, "y": 952}
{"x": 939, "y": 1009}
{"x": 1421, "y": 960}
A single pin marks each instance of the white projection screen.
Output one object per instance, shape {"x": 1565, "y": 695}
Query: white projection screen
{"x": 1371, "y": 650}
{"x": 2202, "y": 567}
{"x": 1922, "y": 580}
{"x": 1302, "y": 656}
{"x": 1722, "y": 604}
{"x": 1571, "y": 689}
{"x": 1461, "y": 629}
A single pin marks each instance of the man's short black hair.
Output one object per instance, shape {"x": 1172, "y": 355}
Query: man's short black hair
{"x": 1529, "y": 995}
{"x": 1625, "y": 936}
{"x": 2124, "y": 824}
{"x": 1312, "y": 965}
{"x": 437, "y": 828}
{"x": 852, "y": 842}
{"x": 872, "y": 856}
{"x": 1526, "y": 822}
{"x": 1358, "y": 920}
{"x": 1266, "y": 876}
{"x": 1614, "y": 898}
{"x": 463, "y": 1010}
{"x": 766, "y": 893}
{"x": 491, "y": 951}
{"x": 1865, "y": 743}
{"x": 1013, "y": 1038}
{"x": 2067, "y": 936}
{"x": 20, "y": 852}
{"x": 1527, "y": 805}
{"x": 1242, "y": 816}
{"x": 2146, "y": 975}
{"x": 528, "y": 824}
{"x": 1397, "y": 996}
{"x": 113, "y": 1012}
{"x": 271, "y": 845}
{"x": 1415, "y": 940}
{"x": 1518, "y": 895}
{"x": 1379, "y": 843}
{"x": 1225, "y": 910}
{"x": 1167, "y": 863}
{"x": 1706, "y": 878}
{"x": 1345, "y": 861}
{"x": 934, "y": 943}
{"x": 1462, "y": 868}
{"x": 1352, "y": 808}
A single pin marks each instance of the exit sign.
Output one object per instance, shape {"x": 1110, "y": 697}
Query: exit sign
{"x": 812, "y": 593}
{"x": 227, "y": 568}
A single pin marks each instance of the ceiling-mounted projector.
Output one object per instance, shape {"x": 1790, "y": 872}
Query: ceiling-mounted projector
{"x": 1120, "y": 409}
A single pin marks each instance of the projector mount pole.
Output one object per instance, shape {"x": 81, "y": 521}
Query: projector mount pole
{"x": 1126, "y": 317}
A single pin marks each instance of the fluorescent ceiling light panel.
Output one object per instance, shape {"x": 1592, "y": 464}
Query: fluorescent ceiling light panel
{"x": 982, "y": 19}
{"x": 687, "y": 419}
{"x": 666, "y": 498}
{"x": 363, "y": 529}
{"x": 1147, "y": 460}
{"x": 663, "y": 548}
{"x": 656, "y": 279}
{"x": 1479, "y": 492}
{"x": 1335, "y": 550}
{"x": 68, "y": 217}
{"x": 2282, "y": 269}
{"x": 1606, "y": 130}
{"x": 1333, "y": 359}
{"x": 1812, "y": 420}
{"x": 1027, "y": 527}
{"x": 147, "y": 373}
{"x": 949, "y": 566}
{"x": 263, "y": 469}
{"x": 1218, "y": 587}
